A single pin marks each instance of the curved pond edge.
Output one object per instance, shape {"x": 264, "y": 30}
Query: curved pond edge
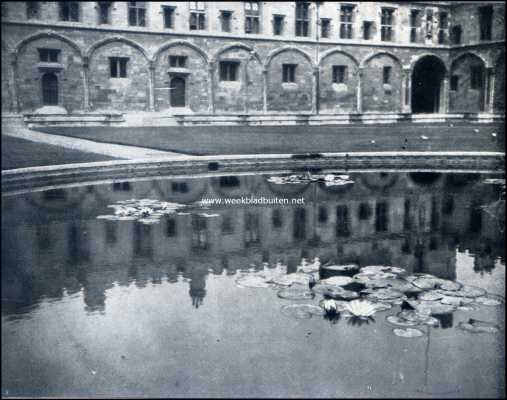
{"x": 22, "y": 180}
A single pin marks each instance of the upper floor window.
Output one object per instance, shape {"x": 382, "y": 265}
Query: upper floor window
{"x": 339, "y": 73}
{"x": 386, "y": 23}
{"x": 325, "y": 27}
{"x": 278, "y": 21}
{"x": 229, "y": 70}
{"x": 386, "y": 75}
{"x": 367, "y": 28}
{"x": 69, "y": 11}
{"x": 485, "y": 22}
{"x": 443, "y": 24}
{"x": 415, "y": 23}
{"x": 302, "y": 18}
{"x": 118, "y": 67}
{"x": 252, "y": 17}
{"x": 289, "y": 73}
{"x": 225, "y": 20}
{"x": 104, "y": 9}
{"x": 49, "y": 55}
{"x": 456, "y": 34}
{"x": 137, "y": 13}
{"x": 178, "y": 61}
{"x": 346, "y": 16}
{"x": 32, "y": 9}
{"x": 197, "y": 16}
{"x": 168, "y": 16}
{"x": 429, "y": 24}
{"x": 476, "y": 77}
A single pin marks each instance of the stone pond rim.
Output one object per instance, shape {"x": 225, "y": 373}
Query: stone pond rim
{"x": 47, "y": 177}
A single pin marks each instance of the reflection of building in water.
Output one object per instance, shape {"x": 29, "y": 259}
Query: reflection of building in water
{"x": 56, "y": 242}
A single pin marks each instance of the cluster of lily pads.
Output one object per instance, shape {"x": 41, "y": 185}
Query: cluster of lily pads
{"x": 146, "y": 211}
{"x": 359, "y": 293}
{"x": 328, "y": 179}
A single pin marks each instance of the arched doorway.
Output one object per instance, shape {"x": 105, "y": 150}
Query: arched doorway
{"x": 178, "y": 92}
{"x": 427, "y": 86}
{"x": 49, "y": 89}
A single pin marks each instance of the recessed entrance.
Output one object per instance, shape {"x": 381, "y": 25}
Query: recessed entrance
{"x": 427, "y": 87}
{"x": 49, "y": 89}
{"x": 177, "y": 92}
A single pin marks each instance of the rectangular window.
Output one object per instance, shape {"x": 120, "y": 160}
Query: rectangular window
{"x": 252, "y": 17}
{"x": 229, "y": 70}
{"x": 476, "y": 78}
{"x": 118, "y": 67}
{"x": 302, "y": 18}
{"x": 104, "y": 12}
{"x": 178, "y": 61}
{"x": 197, "y": 16}
{"x": 48, "y": 55}
{"x": 485, "y": 22}
{"x": 454, "y": 82}
{"x": 69, "y": 11}
{"x": 443, "y": 24}
{"x": 415, "y": 22}
{"x": 168, "y": 17}
{"x": 367, "y": 28}
{"x": 342, "y": 221}
{"x": 325, "y": 27}
{"x": 386, "y": 75}
{"x": 137, "y": 13}
{"x": 32, "y": 10}
{"x": 456, "y": 34}
{"x": 170, "y": 229}
{"x": 339, "y": 73}
{"x": 346, "y": 16}
{"x": 225, "y": 20}
{"x": 429, "y": 24}
{"x": 289, "y": 73}
{"x": 278, "y": 24}
{"x": 386, "y": 24}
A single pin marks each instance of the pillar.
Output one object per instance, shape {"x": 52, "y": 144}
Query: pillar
{"x": 406, "y": 91}
{"x": 151, "y": 86}
{"x": 211, "y": 87}
{"x": 444, "y": 106}
{"x": 86, "y": 88}
{"x": 14, "y": 82}
{"x": 264, "y": 90}
{"x": 315, "y": 88}
{"x": 490, "y": 105}
{"x": 359, "y": 95}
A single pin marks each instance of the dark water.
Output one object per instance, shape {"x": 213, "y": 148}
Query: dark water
{"x": 98, "y": 307}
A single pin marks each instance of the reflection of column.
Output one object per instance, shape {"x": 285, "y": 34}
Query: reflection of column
{"x": 315, "y": 89}
{"x": 406, "y": 107}
{"x": 265, "y": 90}
{"x": 14, "y": 82}
{"x": 360, "y": 72}
{"x": 151, "y": 86}
{"x": 491, "y": 90}
{"x": 211, "y": 87}
{"x": 444, "y": 106}
{"x": 86, "y": 89}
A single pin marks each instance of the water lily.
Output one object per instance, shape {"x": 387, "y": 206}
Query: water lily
{"x": 146, "y": 211}
{"x": 361, "y": 308}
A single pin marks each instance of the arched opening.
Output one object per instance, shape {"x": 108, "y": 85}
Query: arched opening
{"x": 427, "y": 86}
{"x": 177, "y": 92}
{"x": 49, "y": 89}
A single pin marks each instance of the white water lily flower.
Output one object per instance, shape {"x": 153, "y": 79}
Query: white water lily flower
{"x": 361, "y": 308}
{"x": 329, "y": 305}
{"x": 145, "y": 211}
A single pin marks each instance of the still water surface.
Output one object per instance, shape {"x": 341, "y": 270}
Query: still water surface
{"x": 120, "y": 307}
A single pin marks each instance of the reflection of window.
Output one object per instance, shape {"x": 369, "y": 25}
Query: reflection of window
{"x": 367, "y": 27}
{"x": 364, "y": 211}
{"x": 227, "y": 225}
{"x": 429, "y": 24}
{"x": 251, "y": 17}
{"x": 104, "y": 9}
{"x": 448, "y": 206}
{"x": 485, "y": 22}
{"x": 32, "y": 10}
{"x": 381, "y": 217}
{"x": 225, "y": 20}
{"x": 299, "y": 226}
{"x": 386, "y": 75}
{"x": 456, "y": 34}
{"x": 137, "y": 13}
{"x": 476, "y": 77}
{"x": 302, "y": 18}
{"x": 289, "y": 73}
{"x": 170, "y": 229}
{"x": 325, "y": 27}
{"x": 454, "y": 82}
{"x": 278, "y": 24}
{"x": 339, "y": 73}
{"x": 199, "y": 232}
{"x": 168, "y": 16}
{"x": 386, "y": 24}
{"x": 443, "y": 22}
{"x": 178, "y": 61}
{"x": 197, "y": 16}
{"x": 179, "y": 187}
{"x": 407, "y": 222}
{"x": 118, "y": 67}
{"x": 229, "y": 70}
{"x": 277, "y": 218}
{"x": 43, "y": 233}
{"x": 48, "y": 55}
{"x": 229, "y": 181}
{"x": 342, "y": 221}
{"x": 121, "y": 186}
{"x": 251, "y": 228}
{"x": 111, "y": 232}
{"x": 323, "y": 216}
{"x": 69, "y": 11}
{"x": 346, "y": 14}
{"x": 55, "y": 194}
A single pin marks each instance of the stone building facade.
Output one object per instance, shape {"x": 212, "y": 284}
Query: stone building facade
{"x": 249, "y": 58}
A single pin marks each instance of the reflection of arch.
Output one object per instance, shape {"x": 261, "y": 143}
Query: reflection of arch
{"x": 197, "y": 189}
{"x": 335, "y": 188}
{"x": 286, "y": 189}
{"x": 421, "y": 56}
{"x": 239, "y": 46}
{"x": 183, "y": 43}
{"x": 472, "y": 55}
{"x": 103, "y": 42}
{"x": 380, "y": 180}
{"x": 373, "y": 55}
{"x": 52, "y": 35}
{"x": 424, "y": 178}
{"x": 62, "y": 201}
{"x": 338, "y": 51}
{"x": 427, "y": 77}
{"x": 275, "y": 52}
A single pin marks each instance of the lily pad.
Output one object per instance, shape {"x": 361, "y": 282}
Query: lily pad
{"x": 455, "y": 301}
{"x": 296, "y": 292}
{"x": 487, "y": 301}
{"x": 337, "y": 280}
{"x": 472, "y": 291}
{"x": 474, "y": 326}
{"x": 252, "y": 281}
{"x": 302, "y": 311}
{"x": 386, "y": 294}
{"x": 450, "y": 285}
{"x": 430, "y": 296}
{"x": 395, "y": 320}
{"x": 427, "y": 283}
{"x": 290, "y": 279}
{"x": 341, "y": 268}
{"x": 408, "y": 332}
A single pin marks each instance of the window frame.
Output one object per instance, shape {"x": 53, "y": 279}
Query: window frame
{"x": 227, "y": 13}
{"x": 229, "y": 70}
{"x": 454, "y": 83}
{"x": 476, "y": 77}
{"x": 32, "y": 13}
{"x": 387, "y": 24}
{"x": 347, "y": 21}
{"x": 120, "y": 67}
{"x": 49, "y": 51}
{"x": 485, "y": 27}
{"x": 302, "y": 20}
{"x": 339, "y": 74}
{"x": 281, "y": 19}
{"x": 168, "y": 16}
{"x": 177, "y": 61}
{"x": 69, "y": 11}
{"x": 289, "y": 73}
{"x": 197, "y": 16}
{"x": 325, "y": 28}
{"x": 252, "y": 17}
{"x": 137, "y": 8}
{"x": 387, "y": 74}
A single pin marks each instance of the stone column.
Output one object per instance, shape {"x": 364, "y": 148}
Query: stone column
{"x": 315, "y": 88}
{"x": 490, "y": 105}
{"x": 211, "y": 87}
{"x": 14, "y": 82}
{"x": 151, "y": 86}
{"x": 406, "y": 91}
{"x": 359, "y": 94}
{"x": 86, "y": 86}
{"x": 444, "y": 106}
{"x": 264, "y": 90}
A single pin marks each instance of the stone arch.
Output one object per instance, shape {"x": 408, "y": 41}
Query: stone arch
{"x": 68, "y": 69}
{"x": 377, "y": 95}
{"x": 499, "y": 85}
{"x": 245, "y": 94}
{"x": 177, "y": 87}
{"x": 419, "y": 57}
{"x": 427, "y": 75}
{"x": 48, "y": 34}
{"x": 130, "y": 92}
{"x": 294, "y": 96}
{"x": 467, "y": 95}
{"x": 339, "y": 96}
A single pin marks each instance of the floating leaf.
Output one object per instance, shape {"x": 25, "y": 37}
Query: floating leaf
{"x": 341, "y": 268}
{"x": 289, "y": 279}
{"x": 302, "y": 311}
{"x": 252, "y": 281}
{"x": 474, "y": 326}
{"x": 487, "y": 301}
{"x": 386, "y": 294}
{"x": 396, "y": 320}
{"x": 408, "y": 332}
{"x": 337, "y": 280}
{"x": 296, "y": 292}
{"x": 430, "y": 296}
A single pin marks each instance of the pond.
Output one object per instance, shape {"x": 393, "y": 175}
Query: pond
{"x": 138, "y": 288}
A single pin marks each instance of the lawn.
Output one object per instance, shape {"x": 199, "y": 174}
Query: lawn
{"x": 204, "y": 140}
